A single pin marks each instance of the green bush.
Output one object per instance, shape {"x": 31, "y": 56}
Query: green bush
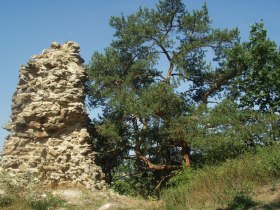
{"x": 123, "y": 187}
{"x": 6, "y": 200}
{"x": 241, "y": 201}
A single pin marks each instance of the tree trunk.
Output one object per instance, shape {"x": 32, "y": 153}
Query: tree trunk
{"x": 169, "y": 72}
{"x": 186, "y": 154}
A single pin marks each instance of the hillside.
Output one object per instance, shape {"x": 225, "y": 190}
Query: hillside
{"x": 248, "y": 182}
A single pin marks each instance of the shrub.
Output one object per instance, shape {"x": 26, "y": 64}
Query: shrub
{"x": 6, "y": 200}
{"x": 241, "y": 201}
{"x": 123, "y": 187}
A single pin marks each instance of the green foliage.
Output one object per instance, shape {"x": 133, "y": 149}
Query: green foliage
{"x": 6, "y": 200}
{"x": 241, "y": 201}
{"x": 259, "y": 59}
{"x": 181, "y": 178}
{"x": 135, "y": 186}
{"x": 229, "y": 135}
{"x": 154, "y": 84}
{"x": 124, "y": 188}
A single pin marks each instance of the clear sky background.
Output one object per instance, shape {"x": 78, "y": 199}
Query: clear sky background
{"x": 29, "y": 26}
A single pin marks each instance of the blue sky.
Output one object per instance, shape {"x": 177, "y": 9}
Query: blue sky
{"x": 29, "y": 26}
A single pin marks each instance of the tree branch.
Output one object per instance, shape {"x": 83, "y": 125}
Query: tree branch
{"x": 137, "y": 148}
{"x": 163, "y": 179}
{"x": 181, "y": 75}
{"x": 224, "y": 80}
{"x": 144, "y": 122}
{"x": 169, "y": 72}
{"x": 155, "y": 166}
{"x": 162, "y": 48}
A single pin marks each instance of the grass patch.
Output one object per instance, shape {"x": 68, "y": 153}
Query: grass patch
{"x": 22, "y": 193}
{"x": 46, "y": 202}
{"x": 220, "y": 186}
{"x": 32, "y": 203}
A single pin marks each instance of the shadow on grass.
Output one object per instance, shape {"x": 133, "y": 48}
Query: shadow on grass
{"x": 272, "y": 206}
{"x": 269, "y": 206}
{"x": 241, "y": 201}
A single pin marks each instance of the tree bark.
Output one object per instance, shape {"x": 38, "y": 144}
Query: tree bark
{"x": 170, "y": 70}
{"x": 186, "y": 154}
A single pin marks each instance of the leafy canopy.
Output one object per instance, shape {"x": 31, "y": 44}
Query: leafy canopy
{"x": 258, "y": 86}
{"x": 154, "y": 83}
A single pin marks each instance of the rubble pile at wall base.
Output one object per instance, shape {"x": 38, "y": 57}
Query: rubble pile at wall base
{"x": 48, "y": 125}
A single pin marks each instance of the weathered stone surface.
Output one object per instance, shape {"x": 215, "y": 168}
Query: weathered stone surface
{"x": 48, "y": 126}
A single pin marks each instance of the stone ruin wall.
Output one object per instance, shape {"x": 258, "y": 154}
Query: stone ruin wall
{"x": 49, "y": 136}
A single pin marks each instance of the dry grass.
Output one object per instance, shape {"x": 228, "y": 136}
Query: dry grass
{"x": 216, "y": 186}
{"x": 267, "y": 196}
{"x": 21, "y": 194}
{"x": 88, "y": 200}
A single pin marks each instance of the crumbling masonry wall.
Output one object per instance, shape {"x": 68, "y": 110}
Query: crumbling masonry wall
{"x": 48, "y": 126}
